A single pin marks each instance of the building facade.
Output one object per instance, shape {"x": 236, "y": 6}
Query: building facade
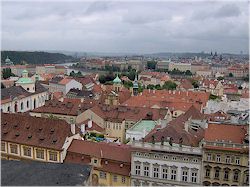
{"x": 164, "y": 165}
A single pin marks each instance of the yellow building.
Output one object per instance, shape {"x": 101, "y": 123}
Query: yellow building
{"x": 29, "y": 138}
{"x": 110, "y": 162}
{"x": 225, "y": 155}
{"x": 116, "y": 120}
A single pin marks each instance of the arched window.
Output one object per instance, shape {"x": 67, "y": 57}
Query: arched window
{"x": 8, "y": 109}
{"x": 28, "y": 104}
{"x": 28, "y": 89}
{"x": 21, "y": 105}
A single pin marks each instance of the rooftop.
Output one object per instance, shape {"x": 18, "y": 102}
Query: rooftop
{"x": 148, "y": 125}
{"x": 33, "y": 131}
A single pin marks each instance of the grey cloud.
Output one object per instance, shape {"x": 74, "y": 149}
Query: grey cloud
{"x": 125, "y": 26}
{"x": 229, "y": 10}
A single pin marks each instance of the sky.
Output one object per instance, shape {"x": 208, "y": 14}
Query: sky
{"x": 126, "y": 26}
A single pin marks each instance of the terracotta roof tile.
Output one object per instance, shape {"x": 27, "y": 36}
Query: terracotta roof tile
{"x": 226, "y": 132}
{"x": 28, "y": 130}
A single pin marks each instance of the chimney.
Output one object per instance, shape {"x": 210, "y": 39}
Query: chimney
{"x": 73, "y": 128}
{"x": 186, "y": 126}
{"x": 89, "y": 123}
{"x": 82, "y": 128}
{"x": 82, "y": 99}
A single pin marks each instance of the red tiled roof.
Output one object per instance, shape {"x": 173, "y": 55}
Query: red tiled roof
{"x": 121, "y": 113}
{"x": 217, "y": 132}
{"x": 176, "y": 130}
{"x": 28, "y": 130}
{"x": 64, "y": 108}
{"x": 103, "y": 150}
{"x": 65, "y": 81}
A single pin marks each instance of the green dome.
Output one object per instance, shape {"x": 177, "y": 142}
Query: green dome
{"x": 25, "y": 71}
{"x": 117, "y": 80}
{"x": 7, "y": 60}
{"x": 24, "y": 80}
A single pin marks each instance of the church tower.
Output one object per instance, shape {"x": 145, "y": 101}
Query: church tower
{"x": 117, "y": 84}
{"x": 135, "y": 86}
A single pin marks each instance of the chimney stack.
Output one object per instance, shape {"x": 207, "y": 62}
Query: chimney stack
{"x": 73, "y": 128}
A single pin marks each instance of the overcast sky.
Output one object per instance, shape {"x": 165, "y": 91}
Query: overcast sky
{"x": 126, "y": 26}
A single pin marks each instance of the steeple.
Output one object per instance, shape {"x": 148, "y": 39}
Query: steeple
{"x": 135, "y": 86}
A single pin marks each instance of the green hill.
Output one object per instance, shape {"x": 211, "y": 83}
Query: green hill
{"x": 35, "y": 57}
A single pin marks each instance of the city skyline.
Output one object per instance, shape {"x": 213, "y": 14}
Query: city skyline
{"x": 126, "y": 27}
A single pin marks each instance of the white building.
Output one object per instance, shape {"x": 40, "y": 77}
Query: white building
{"x": 59, "y": 84}
{"x": 164, "y": 165}
{"x": 25, "y": 96}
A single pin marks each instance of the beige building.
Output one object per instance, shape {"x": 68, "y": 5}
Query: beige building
{"x": 179, "y": 66}
{"x": 30, "y": 138}
{"x": 226, "y": 155}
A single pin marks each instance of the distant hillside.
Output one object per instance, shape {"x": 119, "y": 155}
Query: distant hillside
{"x": 35, "y": 57}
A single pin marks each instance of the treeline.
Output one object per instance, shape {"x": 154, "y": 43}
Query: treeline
{"x": 25, "y": 57}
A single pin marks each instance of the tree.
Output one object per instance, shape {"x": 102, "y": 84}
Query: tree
{"x": 6, "y": 73}
{"x": 150, "y": 86}
{"x": 231, "y": 75}
{"x": 195, "y": 84}
{"x": 213, "y": 97}
{"x": 151, "y": 64}
{"x": 158, "y": 87}
{"x": 169, "y": 85}
{"x": 188, "y": 72}
{"x": 220, "y": 78}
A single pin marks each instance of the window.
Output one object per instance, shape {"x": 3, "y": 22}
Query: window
{"x": 146, "y": 171}
{"x": 228, "y": 159}
{"x": 138, "y": 170}
{"x": 184, "y": 175}
{"x": 195, "y": 160}
{"x": 194, "y": 176}
{"x": 246, "y": 179}
{"x": 40, "y": 153}
{"x": 3, "y": 147}
{"x": 156, "y": 172}
{"x": 52, "y": 155}
{"x": 185, "y": 159}
{"x": 21, "y": 105}
{"x": 226, "y": 175}
{"x": 174, "y": 158}
{"x": 13, "y": 149}
{"x": 209, "y": 156}
{"x": 218, "y": 158}
{"x": 95, "y": 161}
{"x": 115, "y": 178}
{"x": 217, "y": 173}
{"x": 164, "y": 173}
{"x": 208, "y": 172}
{"x": 123, "y": 180}
{"x": 237, "y": 160}
{"x": 27, "y": 151}
{"x": 103, "y": 175}
{"x": 236, "y": 176}
{"x": 27, "y": 104}
{"x": 173, "y": 173}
